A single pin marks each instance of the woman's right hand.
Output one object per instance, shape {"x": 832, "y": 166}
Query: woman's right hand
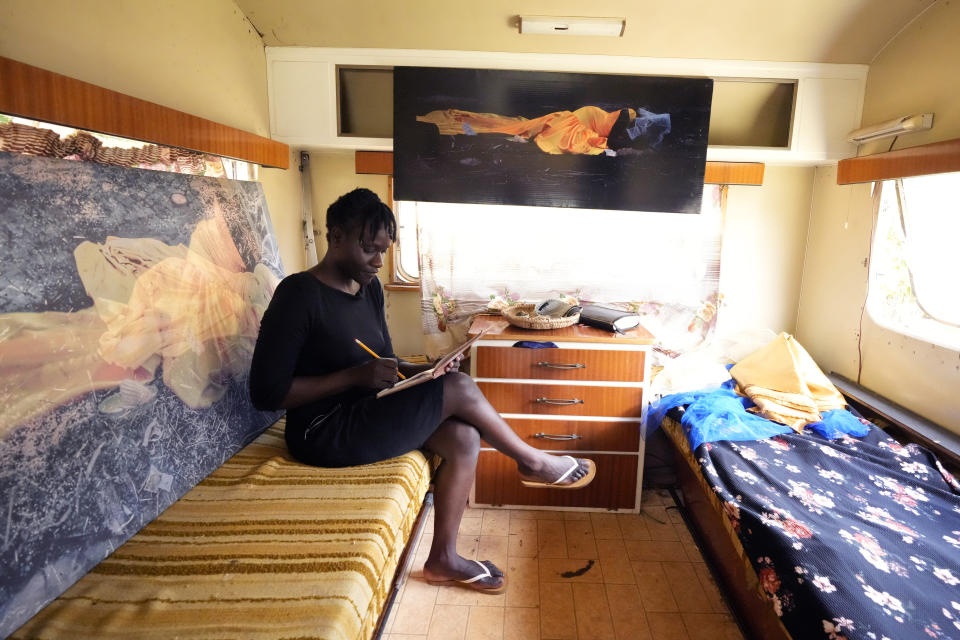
{"x": 378, "y": 373}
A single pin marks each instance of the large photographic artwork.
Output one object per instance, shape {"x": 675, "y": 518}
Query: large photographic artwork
{"x": 130, "y": 302}
{"x": 593, "y": 141}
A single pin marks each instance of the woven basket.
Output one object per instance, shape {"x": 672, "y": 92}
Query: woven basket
{"x": 532, "y": 321}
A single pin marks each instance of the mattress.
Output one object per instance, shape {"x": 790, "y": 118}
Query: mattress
{"x": 846, "y": 538}
{"x": 265, "y": 547}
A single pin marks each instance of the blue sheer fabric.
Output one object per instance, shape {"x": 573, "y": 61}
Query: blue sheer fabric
{"x": 720, "y": 414}
{"x": 838, "y": 423}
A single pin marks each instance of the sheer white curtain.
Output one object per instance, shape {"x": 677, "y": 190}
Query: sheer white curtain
{"x": 663, "y": 265}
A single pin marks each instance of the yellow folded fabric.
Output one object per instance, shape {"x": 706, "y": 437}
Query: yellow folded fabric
{"x": 786, "y": 384}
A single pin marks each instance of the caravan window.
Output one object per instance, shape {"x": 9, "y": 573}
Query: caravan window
{"x": 406, "y": 258}
{"x": 915, "y": 259}
{"x": 548, "y": 236}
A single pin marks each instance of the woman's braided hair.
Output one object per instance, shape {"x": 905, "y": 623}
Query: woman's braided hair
{"x": 362, "y": 208}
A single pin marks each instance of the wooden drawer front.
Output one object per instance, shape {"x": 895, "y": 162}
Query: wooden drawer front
{"x": 559, "y": 364}
{"x": 593, "y": 435}
{"x": 559, "y": 399}
{"x": 614, "y": 486}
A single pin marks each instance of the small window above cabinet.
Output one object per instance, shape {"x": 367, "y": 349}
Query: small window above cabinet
{"x": 752, "y": 113}
{"x": 365, "y": 101}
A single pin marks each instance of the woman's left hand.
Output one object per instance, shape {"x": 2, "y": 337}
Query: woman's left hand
{"x": 452, "y": 367}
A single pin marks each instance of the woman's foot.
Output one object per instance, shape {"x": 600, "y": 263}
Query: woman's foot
{"x": 480, "y": 576}
{"x": 557, "y": 471}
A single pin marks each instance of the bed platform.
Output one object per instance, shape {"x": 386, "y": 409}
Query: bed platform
{"x": 720, "y": 543}
{"x": 264, "y": 547}
{"x": 862, "y": 541}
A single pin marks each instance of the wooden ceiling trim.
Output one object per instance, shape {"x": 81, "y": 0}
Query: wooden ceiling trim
{"x": 742, "y": 173}
{"x": 374, "y": 162}
{"x": 38, "y": 94}
{"x": 925, "y": 159}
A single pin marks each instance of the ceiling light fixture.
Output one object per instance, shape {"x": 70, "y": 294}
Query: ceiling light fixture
{"x": 895, "y": 127}
{"x": 572, "y": 26}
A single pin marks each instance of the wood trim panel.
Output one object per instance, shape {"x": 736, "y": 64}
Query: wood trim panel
{"x": 925, "y": 159}
{"x": 613, "y": 402}
{"x": 551, "y": 364}
{"x": 745, "y": 173}
{"x": 35, "y": 93}
{"x": 614, "y": 487}
{"x": 401, "y": 286}
{"x": 595, "y": 435}
{"x": 750, "y": 173}
{"x": 375, "y": 162}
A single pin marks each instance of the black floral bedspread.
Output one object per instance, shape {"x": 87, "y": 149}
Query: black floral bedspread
{"x": 851, "y": 538}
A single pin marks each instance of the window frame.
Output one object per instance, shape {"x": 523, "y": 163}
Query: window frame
{"x": 400, "y": 280}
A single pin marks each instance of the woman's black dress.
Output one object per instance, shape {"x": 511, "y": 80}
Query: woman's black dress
{"x": 308, "y": 330}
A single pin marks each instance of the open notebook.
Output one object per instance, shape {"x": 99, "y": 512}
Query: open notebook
{"x": 433, "y": 372}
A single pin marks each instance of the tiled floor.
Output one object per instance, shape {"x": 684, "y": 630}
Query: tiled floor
{"x": 571, "y": 575}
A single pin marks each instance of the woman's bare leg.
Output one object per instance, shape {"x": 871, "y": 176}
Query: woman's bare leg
{"x": 458, "y": 444}
{"x": 462, "y": 399}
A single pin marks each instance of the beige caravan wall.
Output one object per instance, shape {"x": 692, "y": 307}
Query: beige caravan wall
{"x": 915, "y": 73}
{"x": 764, "y": 235}
{"x": 203, "y": 58}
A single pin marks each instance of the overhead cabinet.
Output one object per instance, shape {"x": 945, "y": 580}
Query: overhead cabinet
{"x": 780, "y": 113}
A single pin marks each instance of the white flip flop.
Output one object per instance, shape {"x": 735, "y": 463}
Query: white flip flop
{"x": 559, "y": 482}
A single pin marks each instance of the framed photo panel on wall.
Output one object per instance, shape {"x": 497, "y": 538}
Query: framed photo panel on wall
{"x": 130, "y": 302}
{"x": 583, "y": 140}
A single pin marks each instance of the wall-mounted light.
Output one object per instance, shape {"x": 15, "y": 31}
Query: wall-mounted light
{"x": 895, "y": 127}
{"x": 572, "y": 26}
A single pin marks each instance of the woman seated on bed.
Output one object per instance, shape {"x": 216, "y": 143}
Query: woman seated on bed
{"x": 306, "y": 361}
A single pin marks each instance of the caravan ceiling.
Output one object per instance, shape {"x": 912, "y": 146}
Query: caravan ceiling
{"x": 851, "y": 31}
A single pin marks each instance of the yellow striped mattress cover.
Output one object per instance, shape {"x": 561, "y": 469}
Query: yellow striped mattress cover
{"x": 265, "y": 547}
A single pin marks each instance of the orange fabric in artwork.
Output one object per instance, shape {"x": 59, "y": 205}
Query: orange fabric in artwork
{"x": 583, "y": 131}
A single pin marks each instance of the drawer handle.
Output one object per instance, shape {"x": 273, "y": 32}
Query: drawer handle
{"x": 562, "y": 402}
{"x": 560, "y": 365}
{"x": 553, "y": 436}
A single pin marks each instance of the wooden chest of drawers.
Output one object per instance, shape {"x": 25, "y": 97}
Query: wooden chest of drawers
{"x": 584, "y": 398}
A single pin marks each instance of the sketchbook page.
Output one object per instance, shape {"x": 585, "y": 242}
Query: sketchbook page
{"x": 412, "y": 381}
{"x": 423, "y": 376}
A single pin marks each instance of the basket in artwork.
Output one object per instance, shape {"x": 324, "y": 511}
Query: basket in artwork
{"x": 525, "y": 316}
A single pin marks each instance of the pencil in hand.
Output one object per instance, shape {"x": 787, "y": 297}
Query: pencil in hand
{"x": 371, "y": 352}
